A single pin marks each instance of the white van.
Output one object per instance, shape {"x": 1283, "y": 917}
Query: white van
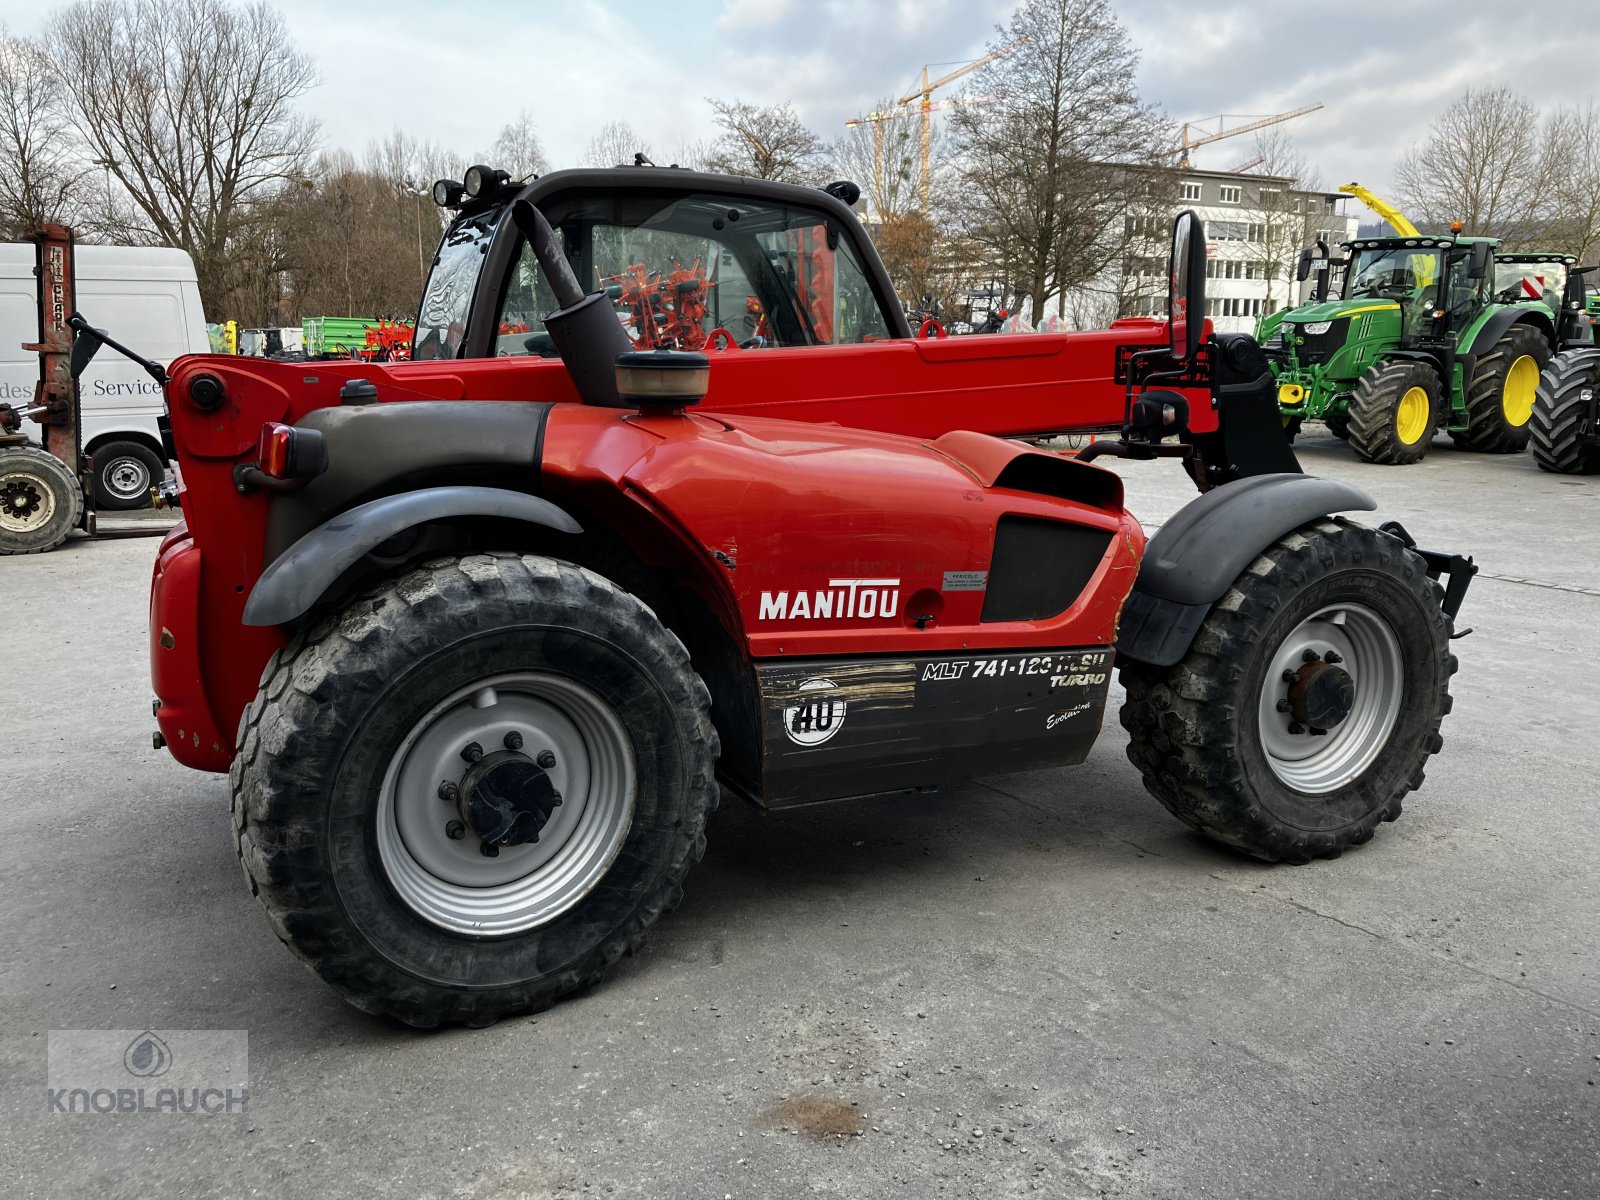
{"x": 148, "y": 299}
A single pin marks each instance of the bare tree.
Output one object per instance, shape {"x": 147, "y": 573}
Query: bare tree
{"x": 188, "y": 104}
{"x": 1572, "y": 172}
{"x": 1044, "y": 161}
{"x": 519, "y": 150}
{"x": 41, "y": 164}
{"x": 767, "y": 143}
{"x": 1285, "y": 227}
{"x": 1480, "y": 164}
{"x": 614, "y": 145}
{"x": 881, "y": 154}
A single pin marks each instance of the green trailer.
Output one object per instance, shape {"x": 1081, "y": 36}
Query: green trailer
{"x": 337, "y": 336}
{"x": 1422, "y": 338}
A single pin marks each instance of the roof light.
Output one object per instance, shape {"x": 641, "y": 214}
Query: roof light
{"x": 446, "y": 193}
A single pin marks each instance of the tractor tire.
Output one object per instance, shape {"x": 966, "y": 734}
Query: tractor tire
{"x": 1394, "y": 412}
{"x": 1210, "y": 735}
{"x": 124, "y": 473}
{"x": 384, "y": 732}
{"x": 1558, "y": 412}
{"x": 40, "y": 501}
{"x": 1339, "y": 425}
{"x": 1501, "y": 396}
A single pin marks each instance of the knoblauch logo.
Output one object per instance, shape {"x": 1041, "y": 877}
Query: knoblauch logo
{"x": 842, "y": 599}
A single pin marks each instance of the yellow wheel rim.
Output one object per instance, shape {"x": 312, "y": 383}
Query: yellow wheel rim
{"x": 1411, "y": 421}
{"x": 1522, "y": 382}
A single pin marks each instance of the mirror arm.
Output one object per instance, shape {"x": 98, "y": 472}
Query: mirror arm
{"x": 82, "y": 327}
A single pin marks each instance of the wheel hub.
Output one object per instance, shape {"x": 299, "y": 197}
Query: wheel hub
{"x": 20, "y": 498}
{"x": 506, "y": 798}
{"x": 1322, "y": 695}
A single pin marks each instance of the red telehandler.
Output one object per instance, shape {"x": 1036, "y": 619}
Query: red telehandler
{"x": 480, "y": 637}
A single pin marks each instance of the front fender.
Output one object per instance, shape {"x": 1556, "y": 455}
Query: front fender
{"x": 1193, "y": 559}
{"x": 299, "y": 576}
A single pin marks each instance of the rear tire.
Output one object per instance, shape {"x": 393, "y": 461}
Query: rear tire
{"x": 1501, "y": 396}
{"x": 1557, "y": 433}
{"x": 1394, "y": 411}
{"x": 124, "y": 473}
{"x": 40, "y": 501}
{"x": 362, "y": 863}
{"x": 1208, "y": 737}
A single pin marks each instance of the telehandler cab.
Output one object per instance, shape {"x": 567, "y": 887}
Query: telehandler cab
{"x": 478, "y": 638}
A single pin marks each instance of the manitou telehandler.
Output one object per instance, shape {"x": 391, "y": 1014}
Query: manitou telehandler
{"x": 479, "y": 636}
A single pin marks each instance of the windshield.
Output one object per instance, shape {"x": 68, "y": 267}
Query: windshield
{"x": 1543, "y": 281}
{"x": 1393, "y": 273}
{"x": 682, "y": 271}
{"x": 442, "y": 320}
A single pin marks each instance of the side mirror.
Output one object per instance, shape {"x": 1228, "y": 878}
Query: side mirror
{"x": 1186, "y": 286}
{"x": 1302, "y": 269}
{"x": 1478, "y": 266}
{"x": 86, "y": 343}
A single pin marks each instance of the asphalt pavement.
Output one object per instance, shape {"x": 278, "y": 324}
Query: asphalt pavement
{"x": 1034, "y": 984}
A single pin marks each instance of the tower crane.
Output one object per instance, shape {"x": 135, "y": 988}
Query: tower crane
{"x": 924, "y": 93}
{"x": 1188, "y": 143}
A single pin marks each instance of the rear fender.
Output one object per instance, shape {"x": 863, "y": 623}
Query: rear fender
{"x": 1194, "y": 558}
{"x": 304, "y": 573}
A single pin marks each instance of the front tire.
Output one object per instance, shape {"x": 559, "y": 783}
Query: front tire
{"x": 40, "y": 501}
{"x": 1394, "y": 411}
{"x": 382, "y": 736}
{"x": 1501, "y": 396}
{"x": 1208, "y": 735}
{"x": 124, "y": 473}
{"x": 1565, "y": 395}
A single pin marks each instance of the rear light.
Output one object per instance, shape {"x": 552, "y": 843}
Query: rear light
{"x": 285, "y": 452}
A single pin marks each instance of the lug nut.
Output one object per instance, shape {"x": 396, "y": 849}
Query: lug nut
{"x": 1296, "y": 727}
{"x": 546, "y": 759}
{"x": 472, "y": 752}
{"x": 557, "y": 798}
{"x": 1315, "y": 732}
{"x": 1283, "y": 706}
{"x": 490, "y": 850}
{"x": 455, "y": 831}
{"x": 449, "y": 792}
{"x": 1309, "y": 656}
{"x": 513, "y": 740}
{"x": 1333, "y": 656}
{"x": 1290, "y": 677}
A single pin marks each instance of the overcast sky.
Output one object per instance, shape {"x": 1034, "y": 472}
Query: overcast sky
{"x": 1383, "y": 69}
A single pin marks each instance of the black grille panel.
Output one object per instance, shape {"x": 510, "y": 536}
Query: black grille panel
{"x": 1040, "y": 567}
{"x": 1320, "y": 347}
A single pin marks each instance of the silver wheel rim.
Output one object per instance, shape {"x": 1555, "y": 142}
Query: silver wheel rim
{"x": 1370, "y": 652}
{"x": 449, "y": 882}
{"x": 126, "y": 477}
{"x": 29, "y": 503}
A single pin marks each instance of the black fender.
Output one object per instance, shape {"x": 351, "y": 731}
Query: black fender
{"x": 1194, "y": 558}
{"x": 304, "y": 572}
{"x": 1495, "y": 328}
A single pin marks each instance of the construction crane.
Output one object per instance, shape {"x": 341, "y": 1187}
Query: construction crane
{"x": 878, "y": 120}
{"x": 924, "y": 93}
{"x": 1188, "y": 143}
{"x": 1396, "y": 219}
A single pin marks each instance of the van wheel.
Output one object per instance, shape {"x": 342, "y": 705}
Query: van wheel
{"x": 124, "y": 473}
{"x": 40, "y": 501}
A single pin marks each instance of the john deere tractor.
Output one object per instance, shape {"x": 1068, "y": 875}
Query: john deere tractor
{"x": 1422, "y": 338}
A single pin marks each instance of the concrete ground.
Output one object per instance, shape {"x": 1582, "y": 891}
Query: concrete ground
{"x": 1031, "y": 984}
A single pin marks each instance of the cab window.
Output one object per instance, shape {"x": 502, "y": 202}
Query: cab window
{"x": 684, "y": 271}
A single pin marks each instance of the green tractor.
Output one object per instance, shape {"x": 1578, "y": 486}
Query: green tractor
{"x": 1424, "y": 336}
